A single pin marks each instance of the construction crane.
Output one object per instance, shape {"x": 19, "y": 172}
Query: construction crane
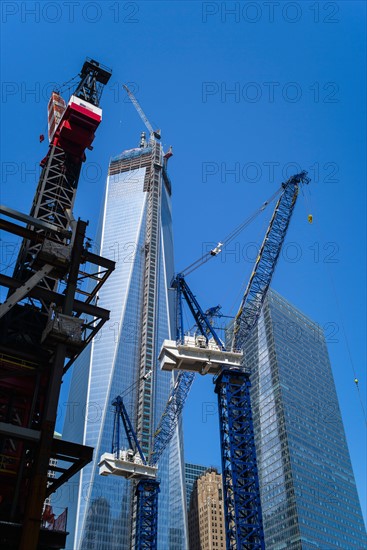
{"x": 134, "y": 101}
{"x": 71, "y": 132}
{"x": 132, "y": 464}
{"x": 48, "y": 318}
{"x": 206, "y": 353}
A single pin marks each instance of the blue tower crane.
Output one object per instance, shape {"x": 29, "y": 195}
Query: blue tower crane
{"x": 206, "y": 353}
{"x": 243, "y": 516}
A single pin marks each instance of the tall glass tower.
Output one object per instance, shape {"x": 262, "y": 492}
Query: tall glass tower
{"x": 308, "y": 493}
{"x": 136, "y": 232}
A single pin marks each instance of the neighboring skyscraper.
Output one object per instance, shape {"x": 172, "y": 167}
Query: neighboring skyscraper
{"x": 192, "y": 473}
{"x": 206, "y": 514}
{"x": 136, "y": 232}
{"x": 308, "y": 493}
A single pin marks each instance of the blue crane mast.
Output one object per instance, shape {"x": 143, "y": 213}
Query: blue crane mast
{"x": 206, "y": 353}
{"x": 240, "y": 476}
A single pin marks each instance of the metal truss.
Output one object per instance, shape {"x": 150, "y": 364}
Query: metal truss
{"x": 147, "y": 516}
{"x": 266, "y": 261}
{"x": 26, "y": 321}
{"x": 44, "y": 326}
{"x": 121, "y": 414}
{"x": 171, "y": 415}
{"x": 53, "y": 204}
{"x": 244, "y": 529}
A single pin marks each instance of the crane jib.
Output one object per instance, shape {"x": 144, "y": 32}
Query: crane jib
{"x": 266, "y": 261}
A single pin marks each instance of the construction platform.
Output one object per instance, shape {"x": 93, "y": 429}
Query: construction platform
{"x": 110, "y": 464}
{"x": 197, "y": 355}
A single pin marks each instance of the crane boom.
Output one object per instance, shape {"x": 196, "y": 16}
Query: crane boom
{"x": 170, "y": 417}
{"x": 141, "y": 113}
{"x": 266, "y": 261}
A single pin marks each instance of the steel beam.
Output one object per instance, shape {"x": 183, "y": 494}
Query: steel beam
{"x": 18, "y": 432}
{"x": 23, "y": 290}
{"x": 38, "y": 484}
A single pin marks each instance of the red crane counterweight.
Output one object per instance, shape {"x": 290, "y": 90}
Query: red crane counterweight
{"x": 55, "y": 109}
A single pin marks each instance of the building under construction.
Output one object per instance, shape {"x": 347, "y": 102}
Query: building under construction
{"x": 48, "y": 318}
{"x": 143, "y": 364}
{"x": 136, "y": 230}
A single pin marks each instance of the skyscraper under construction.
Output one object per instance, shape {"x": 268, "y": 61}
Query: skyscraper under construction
{"x": 136, "y": 231}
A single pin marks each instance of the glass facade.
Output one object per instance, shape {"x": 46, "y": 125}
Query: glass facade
{"x": 136, "y": 232}
{"x": 308, "y": 493}
{"x": 192, "y": 473}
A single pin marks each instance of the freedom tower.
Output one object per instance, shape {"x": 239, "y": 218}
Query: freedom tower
{"x": 136, "y": 232}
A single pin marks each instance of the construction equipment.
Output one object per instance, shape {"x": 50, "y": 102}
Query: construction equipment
{"x": 48, "y": 318}
{"x": 132, "y": 464}
{"x": 153, "y": 133}
{"x": 243, "y": 516}
{"x": 207, "y": 353}
{"x": 71, "y": 128}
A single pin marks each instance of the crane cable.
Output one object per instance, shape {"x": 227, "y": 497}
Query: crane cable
{"x": 66, "y": 85}
{"x": 237, "y": 300}
{"x": 336, "y": 298}
{"x": 307, "y": 203}
{"x": 229, "y": 238}
{"x": 129, "y": 389}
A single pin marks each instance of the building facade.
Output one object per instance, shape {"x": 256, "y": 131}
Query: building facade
{"x": 206, "y": 513}
{"x": 308, "y": 493}
{"x": 192, "y": 473}
{"x": 135, "y": 232}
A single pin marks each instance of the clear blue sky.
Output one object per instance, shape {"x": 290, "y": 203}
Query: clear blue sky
{"x": 248, "y": 92}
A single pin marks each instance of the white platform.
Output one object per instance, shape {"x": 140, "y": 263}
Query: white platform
{"x": 195, "y": 358}
{"x": 110, "y": 465}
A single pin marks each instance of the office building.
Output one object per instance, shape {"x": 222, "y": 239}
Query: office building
{"x": 308, "y": 493}
{"x": 192, "y": 473}
{"x": 206, "y": 513}
{"x": 136, "y": 232}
